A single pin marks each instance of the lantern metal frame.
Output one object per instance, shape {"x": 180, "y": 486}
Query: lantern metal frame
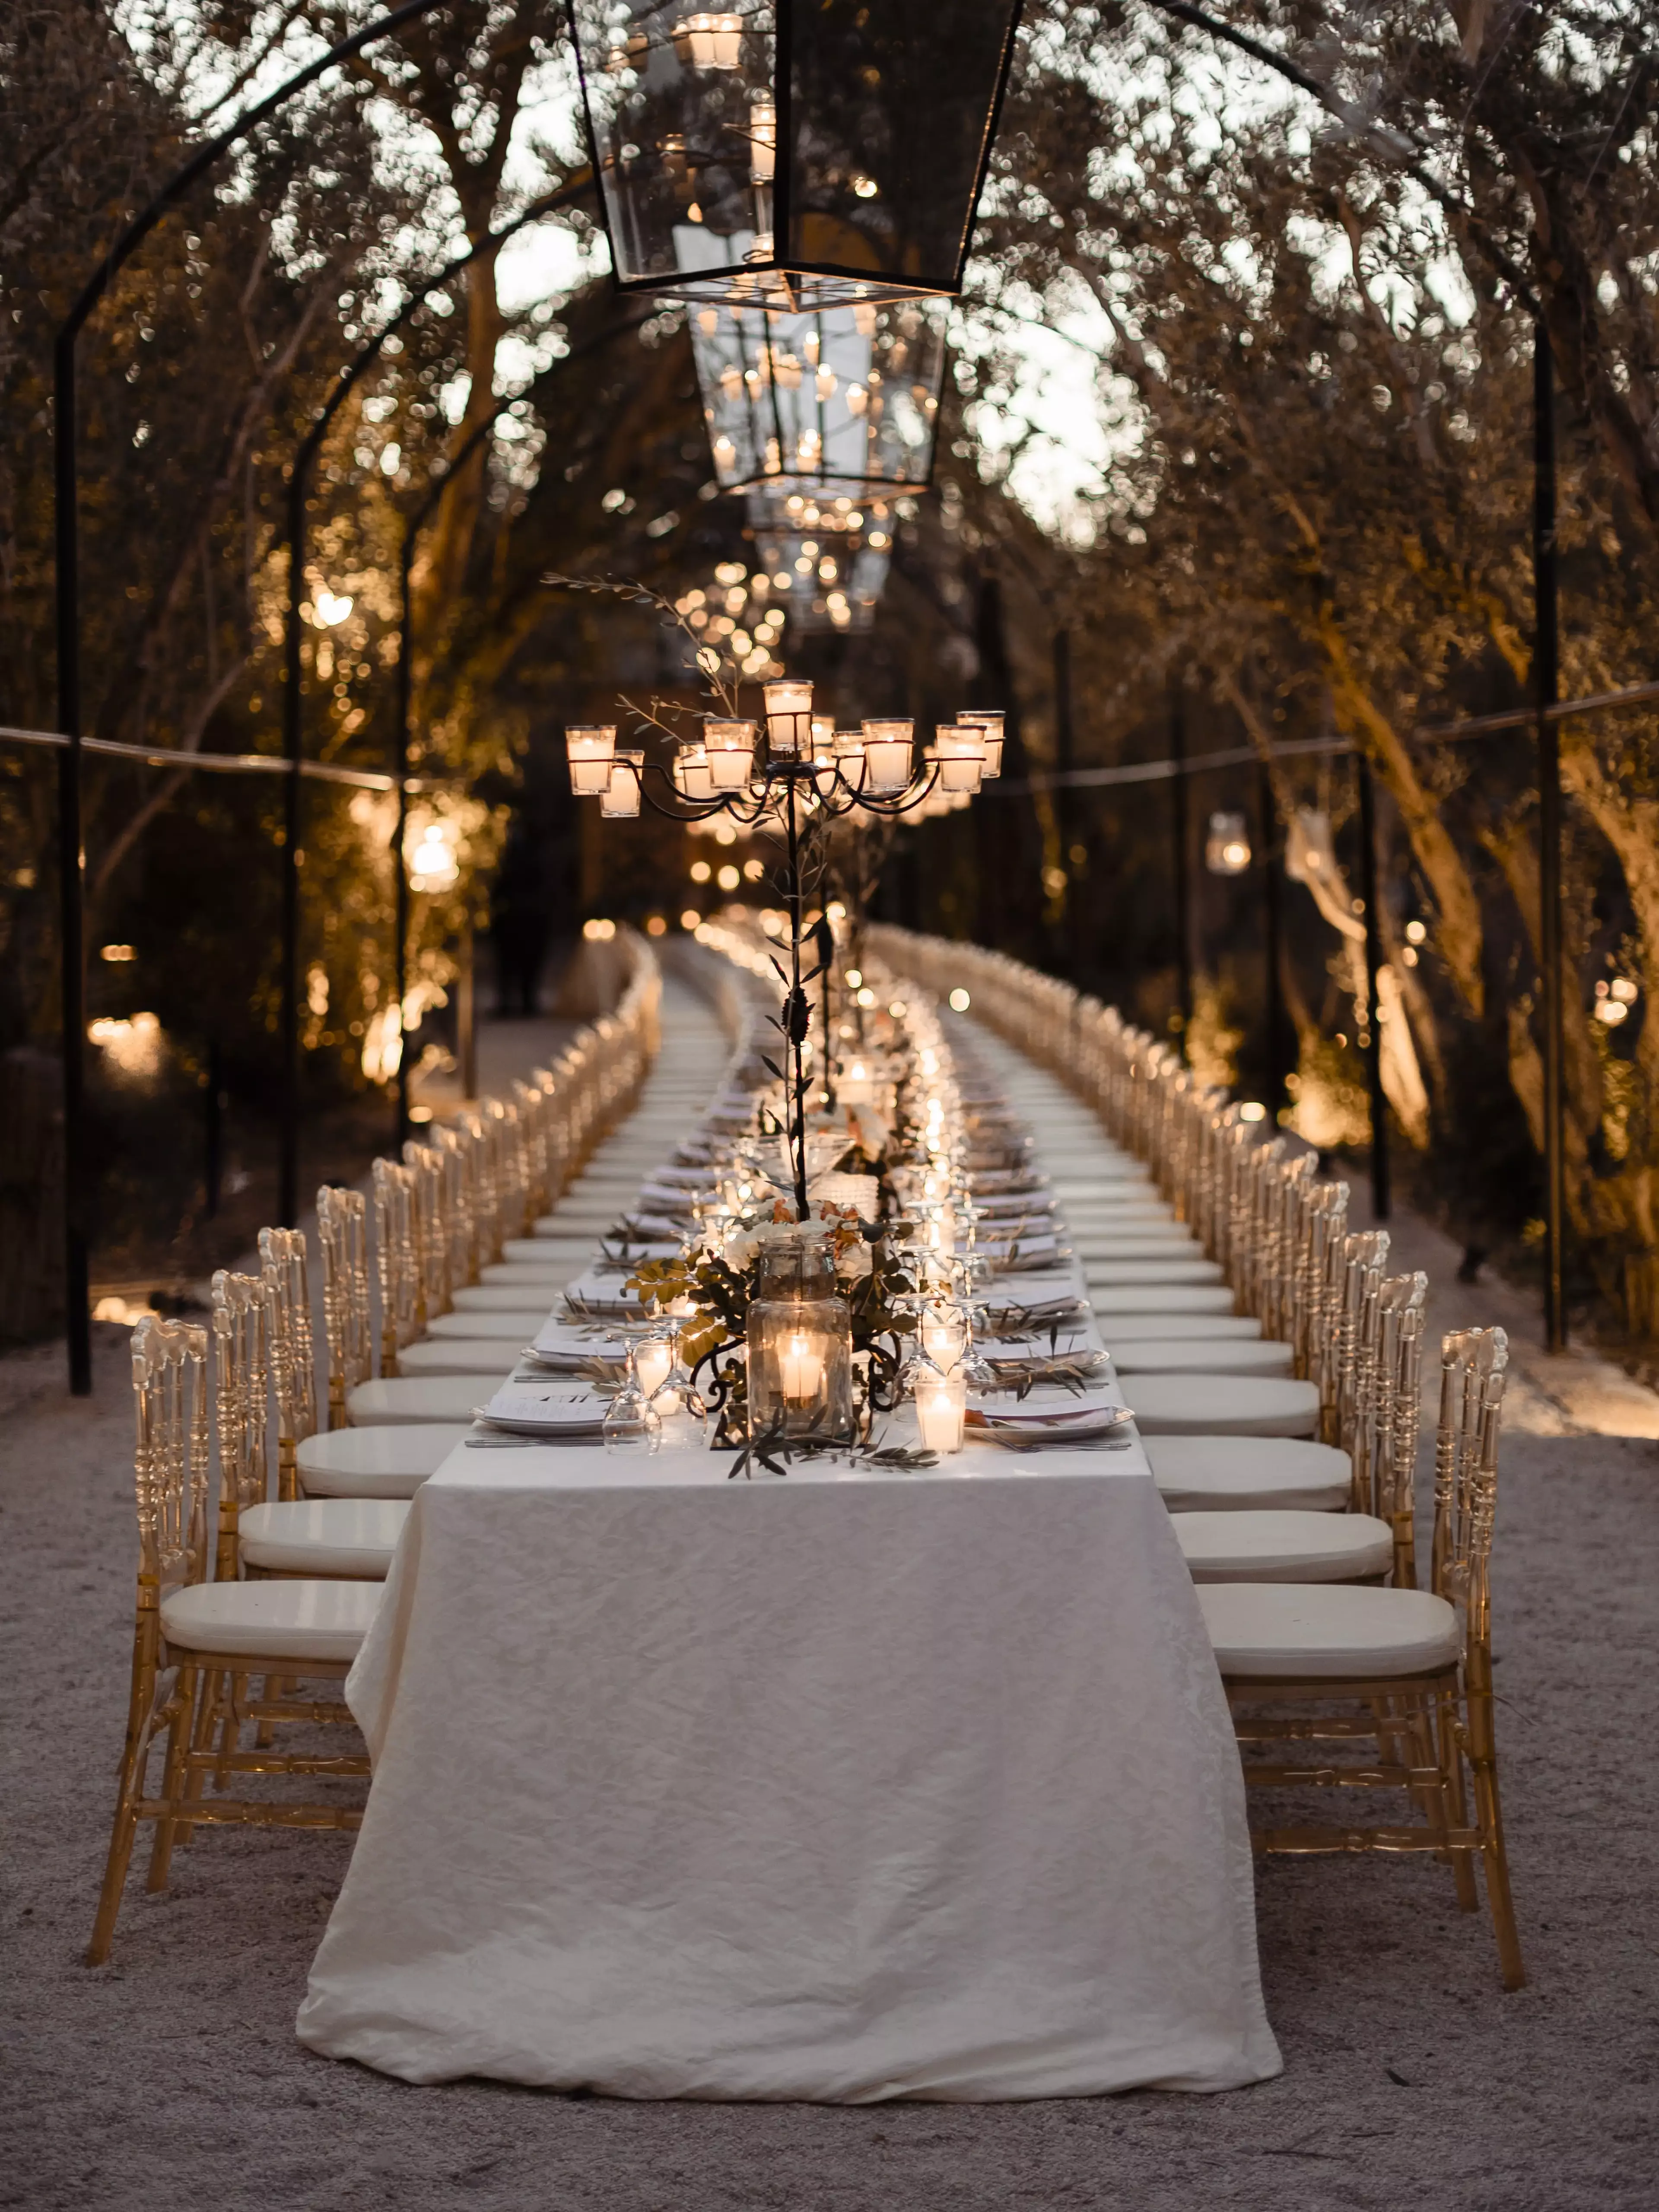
{"x": 753, "y": 113}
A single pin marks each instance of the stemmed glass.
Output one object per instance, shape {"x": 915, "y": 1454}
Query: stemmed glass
{"x": 632, "y": 1424}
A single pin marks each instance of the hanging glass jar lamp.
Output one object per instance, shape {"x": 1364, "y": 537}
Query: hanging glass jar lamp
{"x": 826, "y": 405}
{"x": 788, "y": 154}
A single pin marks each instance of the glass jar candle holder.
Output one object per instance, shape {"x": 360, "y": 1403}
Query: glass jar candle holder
{"x": 959, "y": 752}
{"x": 620, "y": 800}
{"x": 788, "y": 718}
{"x": 730, "y": 747}
{"x": 800, "y": 1345}
{"x": 655, "y": 1357}
{"x": 888, "y": 749}
{"x": 589, "y": 748}
{"x": 988, "y": 721}
{"x": 941, "y": 1408}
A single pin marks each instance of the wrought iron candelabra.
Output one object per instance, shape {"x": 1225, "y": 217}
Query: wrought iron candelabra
{"x": 790, "y": 777}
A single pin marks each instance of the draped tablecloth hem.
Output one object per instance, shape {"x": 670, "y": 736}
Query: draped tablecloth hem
{"x": 1023, "y": 2072}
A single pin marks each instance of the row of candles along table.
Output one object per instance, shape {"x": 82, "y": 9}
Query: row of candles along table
{"x": 798, "y": 1350}
{"x": 877, "y": 759}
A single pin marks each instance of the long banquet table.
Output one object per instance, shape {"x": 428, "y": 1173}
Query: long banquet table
{"x": 855, "y": 1784}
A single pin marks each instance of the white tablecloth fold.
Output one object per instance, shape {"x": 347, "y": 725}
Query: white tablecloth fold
{"x": 840, "y": 1787}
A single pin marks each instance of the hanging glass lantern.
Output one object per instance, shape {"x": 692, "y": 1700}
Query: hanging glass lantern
{"x": 791, "y": 154}
{"x": 1227, "y": 846}
{"x": 837, "y": 405}
{"x": 831, "y": 583}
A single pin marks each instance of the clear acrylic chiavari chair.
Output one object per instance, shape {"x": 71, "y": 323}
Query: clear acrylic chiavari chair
{"x": 342, "y": 1229}
{"x": 190, "y": 1635}
{"x": 1409, "y": 1670}
{"x": 293, "y": 1357}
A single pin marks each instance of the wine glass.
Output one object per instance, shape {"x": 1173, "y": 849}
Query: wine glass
{"x": 632, "y": 1424}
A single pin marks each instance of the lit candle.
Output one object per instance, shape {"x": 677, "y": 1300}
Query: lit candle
{"x": 653, "y": 1363}
{"x": 941, "y": 1403}
{"x": 942, "y": 1337}
{"x": 801, "y": 1371}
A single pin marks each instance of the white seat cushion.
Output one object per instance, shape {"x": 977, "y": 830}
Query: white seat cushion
{"x": 464, "y": 1355}
{"x": 1160, "y": 1298}
{"x": 1213, "y": 1405}
{"x": 519, "y": 1322}
{"x": 1196, "y": 1475}
{"x": 1182, "y": 1328}
{"x": 522, "y": 1275}
{"x": 1208, "y": 1356}
{"x": 484, "y": 1298}
{"x": 1283, "y": 1546}
{"x": 352, "y": 1536}
{"x": 1095, "y": 1215}
{"x": 1312, "y": 1631}
{"x": 369, "y": 1462}
{"x": 1110, "y": 1247}
{"x": 296, "y": 1621}
{"x": 419, "y": 1398}
{"x": 1152, "y": 1274}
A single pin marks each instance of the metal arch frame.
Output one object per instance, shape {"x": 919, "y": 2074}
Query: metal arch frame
{"x": 403, "y": 781}
{"x": 346, "y": 381}
{"x": 1546, "y": 678}
{"x": 66, "y": 551}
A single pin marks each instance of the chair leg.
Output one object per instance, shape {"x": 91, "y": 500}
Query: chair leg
{"x": 201, "y": 1739}
{"x": 230, "y": 1726}
{"x": 134, "y": 1759}
{"x": 1489, "y": 1814}
{"x": 1457, "y": 1802}
{"x": 172, "y": 1779}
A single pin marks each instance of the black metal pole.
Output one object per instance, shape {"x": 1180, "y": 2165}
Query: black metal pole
{"x": 71, "y": 901}
{"x": 1368, "y": 892}
{"x": 1065, "y": 760}
{"x": 1546, "y": 676}
{"x": 412, "y": 529}
{"x": 792, "y": 1015}
{"x": 1272, "y": 948}
{"x": 1179, "y": 844}
{"x": 213, "y": 1131}
{"x": 71, "y": 885}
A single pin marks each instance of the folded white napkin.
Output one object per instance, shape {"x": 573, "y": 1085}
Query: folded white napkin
{"x": 601, "y": 1297}
{"x": 546, "y": 1409}
{"x": 1019, "y": 1254}
{"x": 571, "y": 1342}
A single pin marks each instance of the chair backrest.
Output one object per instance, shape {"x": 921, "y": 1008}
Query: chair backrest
{"x": 1390, "y": 1469}
{"x": 457, "y": 1151}
{"x": 394, "y": 1259}
{"x": 425, "y": 1163}
{"x": 1351, "y": 1382}
{"x": 1472, "y": 1376}
{"x": 170, "y": 1455}
{"x": 478, "y": 1136}
{"x": 241, "y": 1361}
{"x": 342, "y": 1229}
{"x": 506, "y": 1129}
{"x": 293, "y": 1353}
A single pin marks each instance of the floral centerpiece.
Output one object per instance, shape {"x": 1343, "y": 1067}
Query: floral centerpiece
{"x": 720, "y": 1288}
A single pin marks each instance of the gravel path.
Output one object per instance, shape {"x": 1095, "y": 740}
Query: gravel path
{"x": 172, "y": 2078}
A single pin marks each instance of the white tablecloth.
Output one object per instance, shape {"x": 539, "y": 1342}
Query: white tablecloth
{"x": 838, "y": 1787}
